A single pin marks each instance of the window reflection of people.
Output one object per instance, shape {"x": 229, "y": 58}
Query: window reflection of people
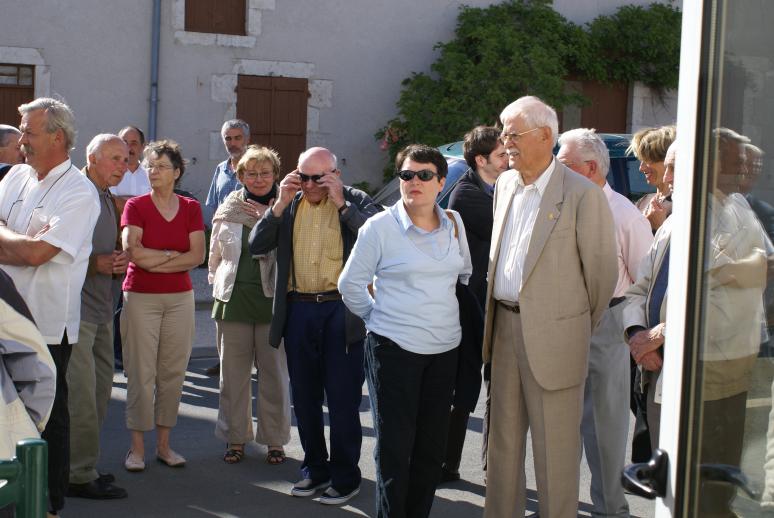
{"x": 734, "y": 281}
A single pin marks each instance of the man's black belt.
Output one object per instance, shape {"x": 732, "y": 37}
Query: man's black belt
{"x": 323, "y": 296}
{"x": 615, "y": 301}
{"x": 513, "y": 307}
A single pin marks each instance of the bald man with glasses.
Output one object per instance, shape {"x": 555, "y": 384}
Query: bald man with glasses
{"x": 313, "y": 224}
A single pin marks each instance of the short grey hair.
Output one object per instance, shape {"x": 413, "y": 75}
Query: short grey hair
{"x": 590, "y": 146}
{"x": 59, "y": 117}
{"x": 535, "y": 112}
{"x": 6, "y": 132}
{"x": 95, "y": 146}
{"x": 235, "y": 124}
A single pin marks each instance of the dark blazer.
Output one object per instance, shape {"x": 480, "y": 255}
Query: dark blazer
{"x": 473, "y": 201}
{"x": 271, "y": 232}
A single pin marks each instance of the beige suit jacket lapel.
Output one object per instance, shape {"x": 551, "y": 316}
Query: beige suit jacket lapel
{"x": 548, "y": 214}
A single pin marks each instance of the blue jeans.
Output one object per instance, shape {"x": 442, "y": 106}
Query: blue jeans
{"x": 323, "y": 366}
{"x": 411, "y": 395}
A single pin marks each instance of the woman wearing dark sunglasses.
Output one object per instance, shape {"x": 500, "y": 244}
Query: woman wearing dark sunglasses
{"x": 413, "y": 254}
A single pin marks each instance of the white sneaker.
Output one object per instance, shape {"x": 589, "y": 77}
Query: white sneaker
{"x": 333, "y": 497}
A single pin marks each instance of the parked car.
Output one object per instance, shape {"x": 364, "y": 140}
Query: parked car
{"x": 624, "y": 175}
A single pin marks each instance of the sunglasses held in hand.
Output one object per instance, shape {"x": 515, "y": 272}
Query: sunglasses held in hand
{"x": 425, "y": 175}
{"x": 316, "y": 178}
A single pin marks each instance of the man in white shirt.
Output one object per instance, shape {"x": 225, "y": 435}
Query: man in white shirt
{"x": 605, "y": 423}
{"x": 552, "y": 272}
{"x": 9, "y": 145}
{"x": 135, "y": 181}
{"x": 48, "y": 211}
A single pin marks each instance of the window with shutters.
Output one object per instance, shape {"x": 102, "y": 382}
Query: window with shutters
{"x": 216, "y": 16}
{"x": 275, "y": 109}
{"x": 17, "y": 86}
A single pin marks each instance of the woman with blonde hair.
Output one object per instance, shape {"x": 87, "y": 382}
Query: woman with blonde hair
{"x": 243, "y": 288}
{"x": 650, "y": 146}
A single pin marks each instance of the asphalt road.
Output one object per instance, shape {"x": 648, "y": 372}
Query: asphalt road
{"x": 209, "y": 487}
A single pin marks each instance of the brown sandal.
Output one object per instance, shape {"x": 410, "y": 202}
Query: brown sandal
{"x": 275, "y": 457}
{"x": 233, "y": 455}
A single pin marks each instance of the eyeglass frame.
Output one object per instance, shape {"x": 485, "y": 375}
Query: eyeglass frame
{"x": 505, "y": 137}
{"x": 161, "y": 167}
{"x": 263, "y": 175}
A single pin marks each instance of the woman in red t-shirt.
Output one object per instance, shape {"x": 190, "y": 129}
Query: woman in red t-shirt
{"x": 163, "y": 235}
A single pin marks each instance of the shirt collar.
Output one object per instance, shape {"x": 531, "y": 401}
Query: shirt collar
{"x": 140, "y": 169}
{"x": 85, "y": 172}
{"x": 404, "y": 220}
{"x": 229, "y": 169}
{"x": 542, "y": 181}
{"x": 608, "y": 190}
{"x": 52, "y": 175}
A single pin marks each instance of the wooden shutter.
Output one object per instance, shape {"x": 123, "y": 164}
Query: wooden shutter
{"x": 216, "y": 16}
{"x": 608, "y": 109}
{"x": 17, "y": 86}
{"x": 275, "y": 109}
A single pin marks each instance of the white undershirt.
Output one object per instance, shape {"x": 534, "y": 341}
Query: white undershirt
{"x": 517, "y": 233}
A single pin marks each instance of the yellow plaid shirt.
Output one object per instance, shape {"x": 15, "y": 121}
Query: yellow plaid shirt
{"x": 318, "y": 249}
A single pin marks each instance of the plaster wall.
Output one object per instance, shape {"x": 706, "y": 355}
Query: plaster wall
{"x": 354, "y": 53}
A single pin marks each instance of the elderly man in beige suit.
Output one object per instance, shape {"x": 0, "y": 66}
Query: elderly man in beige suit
{"x": 552, "y": 272}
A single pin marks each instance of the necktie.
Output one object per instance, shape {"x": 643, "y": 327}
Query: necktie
{"x": 659, "y": 290}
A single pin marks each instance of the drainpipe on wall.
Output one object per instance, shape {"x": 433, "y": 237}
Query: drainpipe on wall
{"x": 154, "y": 87}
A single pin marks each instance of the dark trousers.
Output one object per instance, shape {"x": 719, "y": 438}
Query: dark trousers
{"x": 641, "y": 447}
{"x": 323, "y": 366}
{"x": 458, "y": 427}
{"x": 410, "y": 399}
{"x": 57, "y": 431}
{"x": 117, "y": 349}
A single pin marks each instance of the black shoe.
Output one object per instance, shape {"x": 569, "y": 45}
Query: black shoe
{"x": 213, "y": 371}
{"x": 449, "y": 476}
{"x": 106, "y": 478}
{"x": 96, "y": 490}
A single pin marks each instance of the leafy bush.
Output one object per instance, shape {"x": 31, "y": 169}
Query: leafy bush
{"x": 521, "y": 47}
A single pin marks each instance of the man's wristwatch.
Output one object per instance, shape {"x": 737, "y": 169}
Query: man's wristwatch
{"x": 343, "y": 208}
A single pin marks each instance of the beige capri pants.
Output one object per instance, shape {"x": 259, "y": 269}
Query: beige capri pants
{"x": 241, "y": 345}
{"x": 157, "y": 332}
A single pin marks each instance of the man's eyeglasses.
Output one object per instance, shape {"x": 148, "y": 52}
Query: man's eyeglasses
{"x": 505, "y": 137}
{"x": 316, "y": 178}
{"x": 264, "y": 175}
{"x": 425, "y": 175}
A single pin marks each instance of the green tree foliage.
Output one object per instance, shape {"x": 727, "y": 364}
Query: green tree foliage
{"x": 636, "y": 44}
{"x": 521, "y": 47}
